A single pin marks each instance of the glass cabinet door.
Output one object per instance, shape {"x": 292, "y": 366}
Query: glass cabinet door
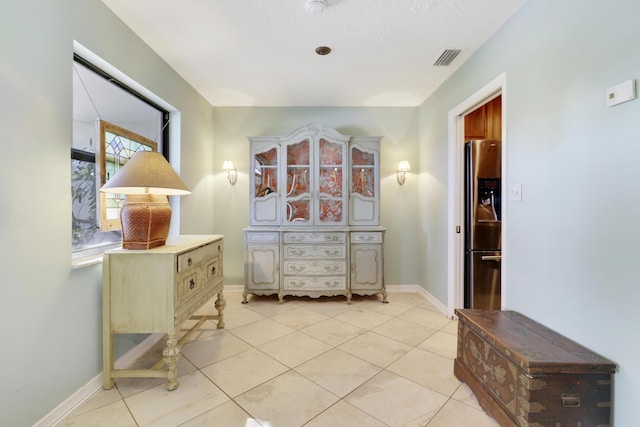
{"x": 264, "y": 187}
{"x": 298, "y": 203}
{"x": 331, "y": 183}
{"x": 364, "y": 184}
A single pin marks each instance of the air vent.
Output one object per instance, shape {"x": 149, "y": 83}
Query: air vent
{"x": 446, "y": 57}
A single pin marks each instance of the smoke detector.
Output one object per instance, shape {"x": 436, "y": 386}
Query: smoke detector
{"x": 316, "y": 6}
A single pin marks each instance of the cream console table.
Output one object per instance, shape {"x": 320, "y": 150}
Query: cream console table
{"x": 155, "y": 291}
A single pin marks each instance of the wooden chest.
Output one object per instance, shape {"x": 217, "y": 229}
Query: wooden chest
{"x": 524, "y": 374}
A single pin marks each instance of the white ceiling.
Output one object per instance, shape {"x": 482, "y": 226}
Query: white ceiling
{"x": 262, "y": 52}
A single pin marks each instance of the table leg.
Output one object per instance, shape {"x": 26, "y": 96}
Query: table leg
{"x": 170, "y": 355}
{"x": 221, "y": 303}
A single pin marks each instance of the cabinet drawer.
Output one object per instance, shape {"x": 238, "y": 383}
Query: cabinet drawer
{"x": 315, "y": 267}
{"x": 305, "y": 283}
{"x": 189, "y": 284}
{"x": 260, "y": 237}
{"x": 316, "y": 251}
{"x": 196, "y": 256}
{"x": 314, "y": 237}
{"x": 213, "y": 268}
{"x": 366, "y": 237}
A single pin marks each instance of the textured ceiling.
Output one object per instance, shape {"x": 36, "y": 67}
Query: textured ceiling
{"x": 262, "y": 52}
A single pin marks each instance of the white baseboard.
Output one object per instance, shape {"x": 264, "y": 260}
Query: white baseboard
{"x": 422, "y": 291}
{"x": 77, "y": 399}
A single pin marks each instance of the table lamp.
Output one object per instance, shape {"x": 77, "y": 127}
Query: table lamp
{"x": 146, "y": 180}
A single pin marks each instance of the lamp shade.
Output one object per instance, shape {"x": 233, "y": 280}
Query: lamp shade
{"x": 146, "y": 172}
{"x": 404, "y": 166}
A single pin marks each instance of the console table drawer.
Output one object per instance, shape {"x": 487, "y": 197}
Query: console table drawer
{"x": 315, "y": 267}
{"x": 316, "y": 251}
{"x": 306, "y": 283}
{"x": 213, "y": 268}
{"x": 314, "y": 237}
{"x": 190, "y": 284}
{"x": 192, "y": 258}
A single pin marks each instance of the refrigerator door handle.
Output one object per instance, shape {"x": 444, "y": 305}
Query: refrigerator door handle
{"x": 491, "y": 258}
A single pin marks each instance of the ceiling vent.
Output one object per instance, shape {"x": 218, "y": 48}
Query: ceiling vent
{"x": 446, "y": 57}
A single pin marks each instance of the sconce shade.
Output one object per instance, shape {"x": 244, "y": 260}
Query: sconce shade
{"x": 404, "y": 166}
{"x": 146, "y": 180}
{"x": 401, "y": 173}
{"x": 232, "y": 173}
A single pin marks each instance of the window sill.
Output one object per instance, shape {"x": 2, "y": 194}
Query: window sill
{"x": 92, "y": 258}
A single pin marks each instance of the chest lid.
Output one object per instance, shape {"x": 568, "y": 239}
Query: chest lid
{"x": 531, "y": 345}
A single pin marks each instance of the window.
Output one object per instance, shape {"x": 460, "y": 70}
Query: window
{"x": 107, "y": 116}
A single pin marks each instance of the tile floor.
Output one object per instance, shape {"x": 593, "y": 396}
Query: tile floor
{"x": 307, "y": 362}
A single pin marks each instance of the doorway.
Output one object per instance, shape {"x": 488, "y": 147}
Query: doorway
{"x": 482, "y": 208}
{"x": 455, "y": 273}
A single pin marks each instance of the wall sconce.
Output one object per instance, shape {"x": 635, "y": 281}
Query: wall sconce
{"x": 232, "y": 173}
{"x": 403, "y": 167}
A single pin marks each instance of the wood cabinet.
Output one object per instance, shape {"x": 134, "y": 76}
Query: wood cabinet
{"x": 310, "y": 190}
{"x": 485, "y": 122}
{"x": 155, "y": 291}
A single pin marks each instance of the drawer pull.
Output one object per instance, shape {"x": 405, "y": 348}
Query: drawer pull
{"x": 213, "y": 270}
{"x": 189, "y": 262}
{"x": 570, "y": 400}
{"x": 192, "y": 283}
{"x": 298, "y": 252}
{"x": 333, "y": 252}
{"x": 332, "y": 268}
{"x": 298, "y": 268}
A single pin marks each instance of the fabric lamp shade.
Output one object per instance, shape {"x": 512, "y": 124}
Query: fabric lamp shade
{"x": 146, "y": 180}
{"x": 147, "y": 172}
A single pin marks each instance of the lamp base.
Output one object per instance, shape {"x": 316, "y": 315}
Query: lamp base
{"x": 145, "y": 221}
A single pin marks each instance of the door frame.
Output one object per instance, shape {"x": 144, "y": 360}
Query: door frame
{"x": 455, "y": 198}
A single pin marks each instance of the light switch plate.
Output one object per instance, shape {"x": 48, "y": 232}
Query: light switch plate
{"x": 622, "y": 92}
{"x": 515, "y": 192}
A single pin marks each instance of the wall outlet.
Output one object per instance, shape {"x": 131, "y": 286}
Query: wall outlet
{"x": 622, "y": 92}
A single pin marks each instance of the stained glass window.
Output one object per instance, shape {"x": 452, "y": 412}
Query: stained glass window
{"x": 117, "y": 146}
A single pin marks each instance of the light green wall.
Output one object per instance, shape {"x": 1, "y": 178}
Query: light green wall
{"x": 399, "y": 212}
{"x": 51, "y": 315}
{"x": 572, "y": 242}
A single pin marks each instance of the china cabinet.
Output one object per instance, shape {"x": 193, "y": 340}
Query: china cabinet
{"x": 314, "y": 215}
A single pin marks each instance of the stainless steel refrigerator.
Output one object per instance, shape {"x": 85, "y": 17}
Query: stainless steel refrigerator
{"x": 483, "y": 224}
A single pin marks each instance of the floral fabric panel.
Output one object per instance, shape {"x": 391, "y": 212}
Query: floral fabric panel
{"x": 298, "y": 210}
{"x": 266, "y": 173}
{"x": 362, "y": 173}
{"x": 330, "y": 153}
{"x": 330, "y": 181}
{"x": 330, "y": 210}
{"x": 298, "y": 192}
